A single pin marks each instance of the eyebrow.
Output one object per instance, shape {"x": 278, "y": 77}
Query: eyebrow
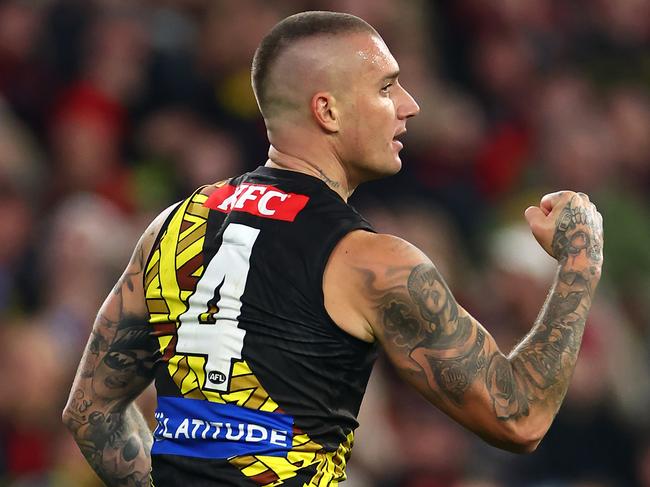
{"x": 392, "y": 76}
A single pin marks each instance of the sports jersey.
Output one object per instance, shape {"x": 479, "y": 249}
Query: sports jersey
{"x": 257, "y": 385}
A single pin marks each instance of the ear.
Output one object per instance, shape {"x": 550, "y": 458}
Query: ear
{"x": 325, "y": 112}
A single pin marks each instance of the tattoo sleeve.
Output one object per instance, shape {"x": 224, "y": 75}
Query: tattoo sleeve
{"x": 453, "y": 360}
{"x": 117, "y": 365}
{"x": 545, "y": 359}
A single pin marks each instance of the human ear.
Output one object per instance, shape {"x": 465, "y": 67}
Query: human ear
{"x": 323, "y": 108}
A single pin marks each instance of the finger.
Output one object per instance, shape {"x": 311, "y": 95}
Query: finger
{"x": 534, "y": 216}
{"x": 551, "y": 200}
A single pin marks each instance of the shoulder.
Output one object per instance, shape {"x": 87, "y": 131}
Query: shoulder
{"x": 148, "y": 238}
{"x": 375, "y": 250}
{"x": 362, "y": 266}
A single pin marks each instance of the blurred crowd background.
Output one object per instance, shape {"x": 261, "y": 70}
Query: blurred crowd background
{"x": 112, "y": 110}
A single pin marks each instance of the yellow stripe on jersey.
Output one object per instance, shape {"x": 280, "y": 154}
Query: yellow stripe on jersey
{"x": 171, "y": 274}
{"x": 270, "y": 471}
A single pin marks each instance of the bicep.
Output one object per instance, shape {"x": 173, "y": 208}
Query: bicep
{"x": 428, "y": 335}
{"x": 436, "y": 345}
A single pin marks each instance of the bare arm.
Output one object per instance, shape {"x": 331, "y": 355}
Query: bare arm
{"x": 117, "y": 365}
{"x": 454, "y": 362}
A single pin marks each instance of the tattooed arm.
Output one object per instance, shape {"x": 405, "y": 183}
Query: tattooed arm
{"x": 117, "y": 365}
{"x": 400, "y": 299}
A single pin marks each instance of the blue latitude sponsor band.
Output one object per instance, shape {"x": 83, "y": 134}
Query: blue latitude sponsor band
{"x": 203, "y": 429}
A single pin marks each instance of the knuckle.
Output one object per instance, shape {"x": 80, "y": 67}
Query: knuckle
{"x": 567, "y": 195}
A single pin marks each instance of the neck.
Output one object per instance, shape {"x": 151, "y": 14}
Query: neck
{"x": 329, "y": 171}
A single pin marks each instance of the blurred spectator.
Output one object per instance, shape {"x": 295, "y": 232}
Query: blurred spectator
{"x": 90, "y": 123}
{"x": 25, "y": 79}
{"x": 15, "y": 231}
{"x": 112, "y": 110}
{"x": 629, "y": 115}
{"x": 21, "y": 172}
{"x": 32, "y": 371}
{"x": 89, "y": 244}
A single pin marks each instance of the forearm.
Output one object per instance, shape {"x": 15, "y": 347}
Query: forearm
{"x": 543, "y": 362}
{"x": 116, "y": 444}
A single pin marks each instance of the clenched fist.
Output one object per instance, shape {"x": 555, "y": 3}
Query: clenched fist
{"x": 570, "y": 228}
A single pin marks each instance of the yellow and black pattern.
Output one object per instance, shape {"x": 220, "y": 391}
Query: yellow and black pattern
{"x": 270, "y": 471}
{"x": 172, "y": 272}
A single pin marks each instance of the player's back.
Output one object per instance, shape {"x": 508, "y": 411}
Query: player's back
{"x": 257, "y": 385}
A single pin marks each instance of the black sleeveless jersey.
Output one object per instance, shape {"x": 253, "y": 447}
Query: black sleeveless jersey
{"x": 257, "y": 385}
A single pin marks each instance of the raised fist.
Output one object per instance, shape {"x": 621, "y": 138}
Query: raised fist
{"x": 570, "y": 228}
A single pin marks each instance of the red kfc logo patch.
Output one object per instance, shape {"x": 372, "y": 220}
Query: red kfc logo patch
{"x": 257, "y": 199}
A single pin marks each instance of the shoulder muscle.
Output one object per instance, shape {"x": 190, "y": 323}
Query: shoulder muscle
{"x": 360, "y": 268}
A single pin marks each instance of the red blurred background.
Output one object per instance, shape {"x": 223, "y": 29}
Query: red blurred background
{"x": 110, "y": 110}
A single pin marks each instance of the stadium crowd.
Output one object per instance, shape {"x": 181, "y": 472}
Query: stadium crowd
{"x": 110, "y": 110}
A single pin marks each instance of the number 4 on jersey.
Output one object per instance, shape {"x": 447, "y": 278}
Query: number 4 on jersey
{"x": 222, "y": 341}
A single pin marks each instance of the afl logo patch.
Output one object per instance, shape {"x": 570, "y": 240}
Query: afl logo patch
{"x": 216, "y": 377}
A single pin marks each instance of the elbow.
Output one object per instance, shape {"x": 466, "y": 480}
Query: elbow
{"x": 78, "y": 406}
{"x": 521, "y": 440}
{"x": 71, "y": 414}
{"x": 66, "y": 418}
{"x": 523, "y": 446}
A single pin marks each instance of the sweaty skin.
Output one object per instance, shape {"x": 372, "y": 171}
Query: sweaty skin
{"x": 351, "y": 110}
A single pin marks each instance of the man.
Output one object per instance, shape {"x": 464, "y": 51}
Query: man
{"x": 257, "y": 302}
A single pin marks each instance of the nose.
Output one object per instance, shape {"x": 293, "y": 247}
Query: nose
{"x": 408, "y": 108}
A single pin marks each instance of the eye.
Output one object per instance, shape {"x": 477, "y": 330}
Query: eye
{"x": 386, "y": 88}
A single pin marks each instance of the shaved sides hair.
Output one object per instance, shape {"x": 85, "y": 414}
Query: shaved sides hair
{"x": 295, "y": 28}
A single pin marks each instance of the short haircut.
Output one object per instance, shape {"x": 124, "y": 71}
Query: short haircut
{"x": 295, "y": 28}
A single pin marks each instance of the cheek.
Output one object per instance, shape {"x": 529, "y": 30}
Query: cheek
{"x": 370, "y": 128}
{"x": 379, "y": 126}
